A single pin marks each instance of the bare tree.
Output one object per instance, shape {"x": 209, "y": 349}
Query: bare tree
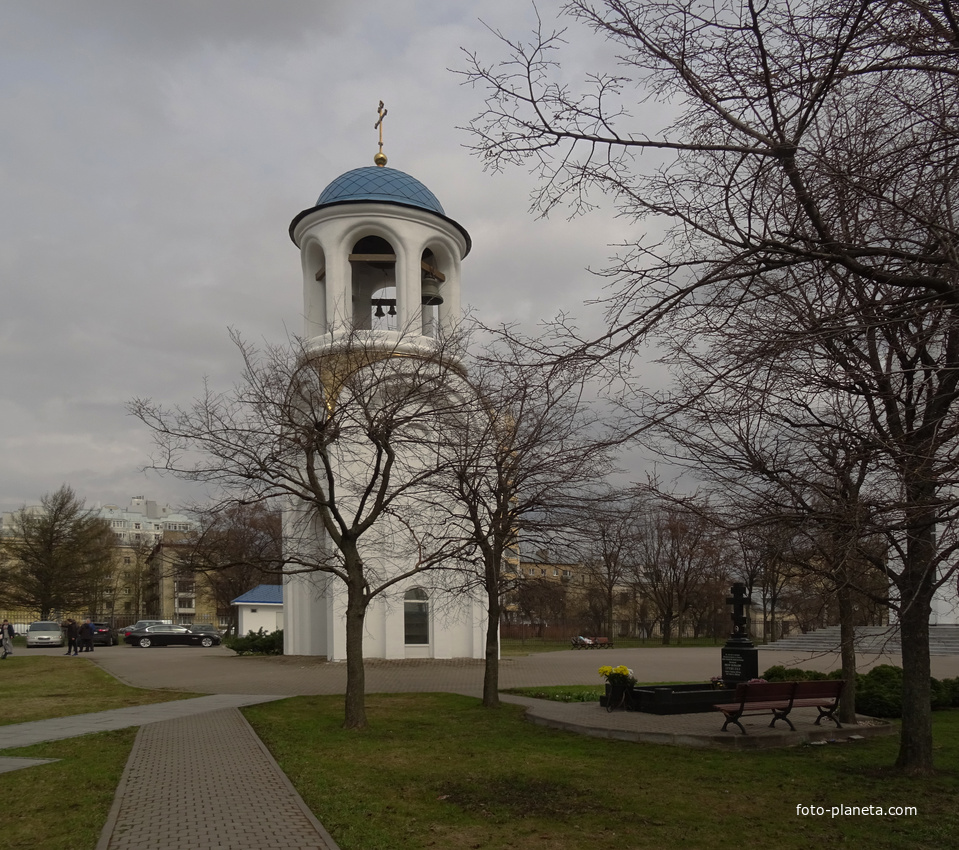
{"x": 805, "y": 133}
{"x": 135, "y": 577}
{"x": 338, "y": 434}
{"x": 608, "y": 537}
{"x": 763, "y": 564}
{"x": 235, "y": 549}
{"x": 850, "y": 435}
{"x": 814, "y": 141}
{"x": 678, "y": 552}
{"x": 60, "y": 553}
{"x": 518, "y": 466}
{"x": 540, "y": 600}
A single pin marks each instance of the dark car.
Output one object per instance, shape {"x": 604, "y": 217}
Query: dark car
{"x": 142, "y": 624}
{"x": 169, "y": 635}
{"x": 206, "y": 628}
{"x": 103, "y": 635}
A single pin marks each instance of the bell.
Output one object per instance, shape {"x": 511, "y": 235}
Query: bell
{"x": 379, "y": 310}
{"x": 431, "y": 291}
{"x": 392, "y": 310}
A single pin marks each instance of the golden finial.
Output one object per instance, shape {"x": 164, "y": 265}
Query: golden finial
{"x": 380, "y": 158}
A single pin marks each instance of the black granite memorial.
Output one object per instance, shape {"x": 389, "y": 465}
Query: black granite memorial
{"x": 740, "y": 659}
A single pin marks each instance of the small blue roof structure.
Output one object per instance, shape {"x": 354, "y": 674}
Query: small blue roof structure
{"x": 379, "y": 184}
{"x": 373, "y": 183}
{"x": 262, "y": 594}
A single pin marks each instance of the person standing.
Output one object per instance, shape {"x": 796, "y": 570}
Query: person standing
{"x": 7, "y": 635}
{"x": 72, "y": 634}
{"x": 86, "y": 636}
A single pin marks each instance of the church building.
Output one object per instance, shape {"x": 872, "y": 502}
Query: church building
{"x": 380, "y": 259}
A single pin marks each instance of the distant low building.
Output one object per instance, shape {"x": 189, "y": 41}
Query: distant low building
{"x": 260, "y": 608}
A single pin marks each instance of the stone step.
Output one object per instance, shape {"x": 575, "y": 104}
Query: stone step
{"x": 943, "y": 640}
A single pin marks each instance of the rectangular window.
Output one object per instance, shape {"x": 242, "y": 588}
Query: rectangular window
{"x": 417, "y": 622}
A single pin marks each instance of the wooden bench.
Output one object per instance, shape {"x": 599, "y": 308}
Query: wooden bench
{"x": 782, "y": 697}
{"x": 822, "y": 695}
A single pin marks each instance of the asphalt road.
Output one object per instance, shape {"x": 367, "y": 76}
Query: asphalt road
{"x": 219, "y": 671}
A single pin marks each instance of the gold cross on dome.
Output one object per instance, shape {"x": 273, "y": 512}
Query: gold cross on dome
{"x": 380, "y": 158}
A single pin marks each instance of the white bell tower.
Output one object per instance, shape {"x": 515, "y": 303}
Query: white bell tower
{"x": 379, "y": 255}
{"x": 381, "y": 265}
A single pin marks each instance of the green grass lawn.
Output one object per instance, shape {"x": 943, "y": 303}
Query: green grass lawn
{"x": 561, "y": 693}
{"x": 44, "y": 686}
{"x": 63, "y": 805}
{"x": 439, "y": 771}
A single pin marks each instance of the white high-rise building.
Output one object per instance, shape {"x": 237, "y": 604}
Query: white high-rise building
{"x": 143, "y": 521}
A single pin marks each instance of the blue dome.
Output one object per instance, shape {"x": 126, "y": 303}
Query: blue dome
{"x": 373, "y": 183}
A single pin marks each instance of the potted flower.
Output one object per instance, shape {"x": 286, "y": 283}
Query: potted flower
{"x": 619, "y": 681}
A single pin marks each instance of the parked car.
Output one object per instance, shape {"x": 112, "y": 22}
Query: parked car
{"x": 207, "y": 628}
{"x": 44, "y": 633}
{"x": 103, "y": 635}
{"x": 142, "y": 624}
{"x": 165, "y": 634}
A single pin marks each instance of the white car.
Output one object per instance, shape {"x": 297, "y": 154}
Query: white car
{"x": 44, "y": 633}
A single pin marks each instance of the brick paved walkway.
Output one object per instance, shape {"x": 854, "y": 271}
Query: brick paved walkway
{"x": 204, "y": 782}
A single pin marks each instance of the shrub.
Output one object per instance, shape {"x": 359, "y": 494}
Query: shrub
{"x": 878, "y": 692}
{"x": 256, "y": 643}
{"x": 951, "y": 687}
{"x": 791, "y": 674}
{"x": 941, "y": 693}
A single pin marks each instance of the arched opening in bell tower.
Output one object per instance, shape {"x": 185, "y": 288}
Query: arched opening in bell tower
{"x": 373, "y": 264}
{"x": 316, "y": 283}
{"x": 431, "y": 292}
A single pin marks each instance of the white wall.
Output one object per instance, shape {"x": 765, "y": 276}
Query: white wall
{"x": 256, "y": 616}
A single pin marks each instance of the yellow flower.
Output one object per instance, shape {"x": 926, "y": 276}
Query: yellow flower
{"x": 605, "y": 670}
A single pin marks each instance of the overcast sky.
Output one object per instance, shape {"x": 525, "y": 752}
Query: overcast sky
{"x": 152, "y": 158}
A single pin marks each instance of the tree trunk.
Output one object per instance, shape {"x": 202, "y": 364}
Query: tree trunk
{"x": 667, "y": 628}
{"x": 609, "y": 614}
{"x": 847, "y": 646}
{"x": 491, "y": 671}
{"x": 355, "y": 672}
{"x": 774, "y": 629}
{"x": 915, "y": 591}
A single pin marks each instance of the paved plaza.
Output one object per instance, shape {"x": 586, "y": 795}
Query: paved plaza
{"x": 163, "y": 801}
